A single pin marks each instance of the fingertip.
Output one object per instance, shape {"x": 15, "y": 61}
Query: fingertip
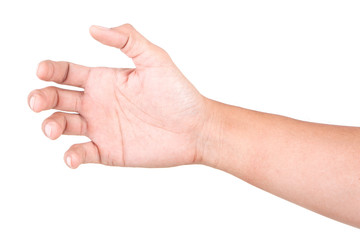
{"x": 82, "y": 153}
{"x": 96, "y": 30}
{"x": 108, "y": 36}
{"x": 71, "y": 160}
{"x": 51, "y": 130}
{"x": 93, "y": 31}
{"x": 32, "y": 101}
{"x": 42, "y": 70}
{"x": 68, "y": 159}
{"x": 92, "y": 28}
{"x": 38, "y": 100}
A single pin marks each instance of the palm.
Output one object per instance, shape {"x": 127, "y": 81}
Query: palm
{"x": 150, "y": 116}
{"x": 142, "y": 117}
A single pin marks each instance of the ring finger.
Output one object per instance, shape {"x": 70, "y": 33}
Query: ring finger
{"x": 64, "y": 123}
{"x": 55, "y": 98}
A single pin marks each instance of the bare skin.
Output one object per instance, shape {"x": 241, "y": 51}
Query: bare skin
{"x": 151, "y": 116}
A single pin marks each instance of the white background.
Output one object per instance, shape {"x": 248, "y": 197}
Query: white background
{"x": 296, "y": 58}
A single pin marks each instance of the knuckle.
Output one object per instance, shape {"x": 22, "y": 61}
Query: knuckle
{"x": 66, "y": 73}
{"x": 51, "y": 88}
{"x": 163, "y": 53}
{"x": 53, "y": 96}
{"x": 128, "y": 27}
{"x": 56, "y": 115}
{"x": 75, "y": 148}
{"x": 50, "y": 91}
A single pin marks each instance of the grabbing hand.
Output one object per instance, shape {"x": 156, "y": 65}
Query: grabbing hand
{"x": 149, "y": 116}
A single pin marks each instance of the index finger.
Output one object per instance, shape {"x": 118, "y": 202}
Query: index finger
{"x": 63, "y": 73}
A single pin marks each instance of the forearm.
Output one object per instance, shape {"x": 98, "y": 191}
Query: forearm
{"x": 314, "y": 165}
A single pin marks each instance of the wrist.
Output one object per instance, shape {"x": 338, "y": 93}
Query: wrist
{"x": 230, "y": 139}
{"x": 211, "y": 134}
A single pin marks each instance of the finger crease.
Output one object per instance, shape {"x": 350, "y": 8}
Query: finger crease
{"x": 57, "y": 99}
{"x": 66, "y": 73}
{"x": 83, "y": 125}
{"x": 65, "y": 125}
{"x": 77, "y": 103}
{"x": 126, "y": 43}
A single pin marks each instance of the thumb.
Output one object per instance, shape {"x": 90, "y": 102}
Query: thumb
{"x": 132, "y": 43}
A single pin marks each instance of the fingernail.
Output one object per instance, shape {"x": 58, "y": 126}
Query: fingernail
{"x": 48, "y": 130}
{"x": 68, "y": 161}
{"x": 32, "y": 102}
{"x": 101, "y": 28}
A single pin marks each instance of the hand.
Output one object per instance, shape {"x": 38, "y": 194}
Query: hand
{"x": 149, "y": 116}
